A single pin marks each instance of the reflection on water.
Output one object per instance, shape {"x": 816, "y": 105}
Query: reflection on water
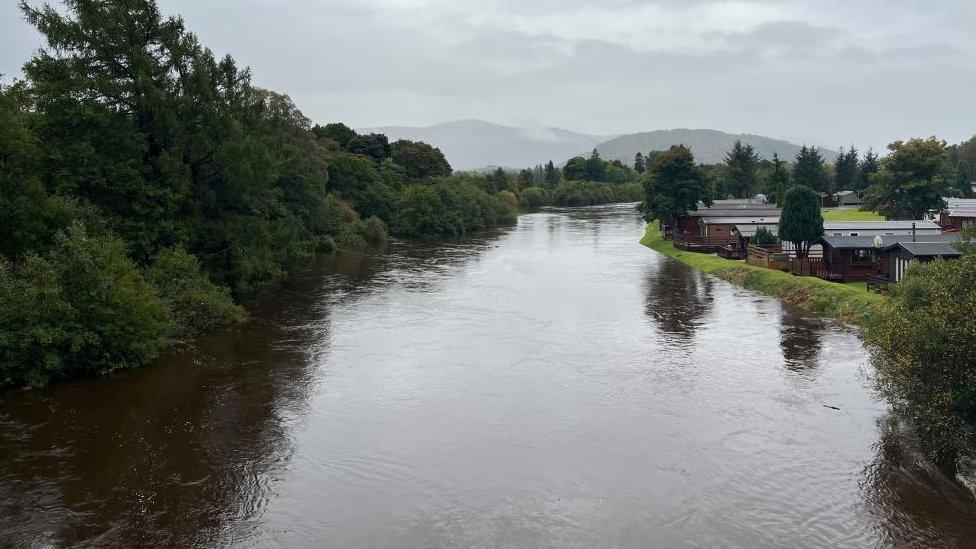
{"x": 678, "y": 299}
{"x": 800, "y": 340}
{"x": 503, "y": 390}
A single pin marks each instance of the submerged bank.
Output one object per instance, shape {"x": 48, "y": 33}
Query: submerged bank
{"x": 848, "y": 304}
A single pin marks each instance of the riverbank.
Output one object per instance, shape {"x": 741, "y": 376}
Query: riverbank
{"x": 850, "y": 304}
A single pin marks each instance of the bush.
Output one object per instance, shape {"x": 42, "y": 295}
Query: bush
{"x": 509, "y": 198}
{"x": 532, "y": 198}
{"x": 195, "y": 303}
{"x": 83, "y": 309}
{"x": 764, "y": 237}
{"x": 924, "y": 346}
{"x": 589, "y": 193}
{"x": 448, "y": 208}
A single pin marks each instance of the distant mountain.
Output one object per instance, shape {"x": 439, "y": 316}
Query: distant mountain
{"x": 708, "y": 146}
{"x": 474, "y": 144}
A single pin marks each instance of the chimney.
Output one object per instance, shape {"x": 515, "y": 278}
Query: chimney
{"x": 913, "y": 232}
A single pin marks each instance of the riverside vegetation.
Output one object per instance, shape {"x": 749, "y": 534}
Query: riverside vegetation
{"x": 922, "y": 337}
{"x": 146, "y": 184}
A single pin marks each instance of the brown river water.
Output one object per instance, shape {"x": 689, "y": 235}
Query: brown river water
{"x": 552, "y": 385}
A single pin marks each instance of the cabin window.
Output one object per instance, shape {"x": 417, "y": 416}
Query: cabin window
{"x": 855, "y": 234}
{"x": 889, "y": 234}
{"x": 838, "y": 234}
{"x": 862, "y": 255}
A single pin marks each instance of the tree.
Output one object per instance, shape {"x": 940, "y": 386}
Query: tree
{"x": 847, "y": 173}
{"x": 741, "y": 178}
{"x": 525, "y": 178}
{"x": 924, "y": 349}
{"x": 673, "y": 185}
{"x": 809, "y": 170}
{"x": 869, "y": 167}
{"x": 595, "y": 167}
{"x": 575, "y": 169}
{"x": 777, "y": 180}
{"x": 419, "y": 159}
{"x": 764, "y": 237}
{"x": 801, "y": 221}
{"x": 373, "y": 145}
{"x": 552, "y": 174}
{"x": 913, "y": 178}
{"x": 639, "y": 165}
{"x": 337, "y": 131}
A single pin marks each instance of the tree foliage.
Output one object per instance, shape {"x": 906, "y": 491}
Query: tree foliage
{"x": 912, "y": 180}
{"x": 419, "y": 159}
{"x": 810, "y": 171}
{"x": 741, "y": 175}
{"x": 801, "y": 221}
{"x": 924, "y": 348}
{"x": 847, "y": 171}
{"x": 673, "y": 185}
{"x": 777, "y": 180}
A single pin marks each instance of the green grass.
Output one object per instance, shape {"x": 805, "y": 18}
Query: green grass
{"x": 850, "y": 214}
{"x": 849, "y": 303}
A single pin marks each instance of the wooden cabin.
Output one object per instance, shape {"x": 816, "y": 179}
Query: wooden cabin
{"x": 856, "y": 258}
{"x": 848, "y": 198}
{"x": 692, "y": 228}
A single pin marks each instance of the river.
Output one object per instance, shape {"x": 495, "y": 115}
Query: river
{"x": 552, "y": 385}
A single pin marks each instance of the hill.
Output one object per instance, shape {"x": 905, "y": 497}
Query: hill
{"x": 708, "y": 146}
{"x": 474, "y": 144}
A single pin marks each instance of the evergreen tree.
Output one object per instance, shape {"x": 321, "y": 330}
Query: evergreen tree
{"x": 809, "y": 170}
{"x": 575, "y": 169}
{"x": 869, "y": 167}
{"x": 552, "y": 174}
{"x": 847, "y": 172}
{"x": 639, "y": 165}
{"x": 741, "y": 174}
{"x": 801, "y": 221}
{"x": 595, "y": 167}
{"x": 777, "y": 180}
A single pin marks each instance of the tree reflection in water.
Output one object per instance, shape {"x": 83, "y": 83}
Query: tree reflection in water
{"x": 800, "y": 339}
{"x": 677, "y": 299}
{"x": 914, "y": 504}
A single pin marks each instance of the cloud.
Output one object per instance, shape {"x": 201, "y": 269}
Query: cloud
{"x": 830, "y": 71}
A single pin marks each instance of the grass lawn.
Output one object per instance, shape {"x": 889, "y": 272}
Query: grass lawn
{"x": 850, "y": 303}
{"x": 850, "y": 214}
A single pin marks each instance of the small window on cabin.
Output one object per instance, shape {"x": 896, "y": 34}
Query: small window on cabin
{"x": 889, "y": 234}
{"x": 862, "y": 255}
{"x": 855, "y": 234}
{"x": 838, "y": 234}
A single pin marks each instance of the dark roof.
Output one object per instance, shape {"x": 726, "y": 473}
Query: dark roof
{"x": 887, "y": 241}
{"x": 930, "y": 249}
{"x": 740, "y": 220}
{"x": 736, "y": 212}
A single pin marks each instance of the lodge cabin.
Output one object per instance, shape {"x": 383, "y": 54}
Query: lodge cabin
{"x": 871, "y": 228}
{"x": 959, "y": 214}
{"x": 903, "y": 253}
{"x": 858, "y": 258}
{"x": 743, "y": 233}
{"x": 848, "y": 198}
{"x": 712, "y": 226}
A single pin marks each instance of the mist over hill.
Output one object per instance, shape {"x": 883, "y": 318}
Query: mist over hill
{"x": 708, "y": 146}
{"x": 475, "y": 144}
{"x": 479, "y": 145}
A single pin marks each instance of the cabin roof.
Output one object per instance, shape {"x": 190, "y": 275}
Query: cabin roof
{"x": 741, "y": 220}
{"x": 930, "y": 249}
{"x": 736, "y": 212}
{"x": 878, "y": 225}
{"x": 887, "y": 241}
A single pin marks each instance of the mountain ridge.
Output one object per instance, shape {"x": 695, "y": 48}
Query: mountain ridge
{"x": 473, "y": 144}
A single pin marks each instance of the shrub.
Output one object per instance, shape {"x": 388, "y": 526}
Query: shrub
{"x": 509, "y": 198}
{"x": 532, "y": 198}
{"x": 195, "y": 303}
{"x": 447, "y": 208}
{"x": 83, "y": 309}
{"x": 764, "y": 237}
{"x": 924, "y": 346}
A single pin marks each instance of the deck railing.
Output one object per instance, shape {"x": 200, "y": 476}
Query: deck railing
{"x": 879, "y": 283}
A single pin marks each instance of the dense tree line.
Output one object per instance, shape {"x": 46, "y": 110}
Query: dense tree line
{"x": 145, "y": 182}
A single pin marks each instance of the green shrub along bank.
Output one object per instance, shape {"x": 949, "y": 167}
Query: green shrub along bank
{"x": 140, "y": 197}
{"x": 846, "y": 303}
{"x": 578, "y": 193}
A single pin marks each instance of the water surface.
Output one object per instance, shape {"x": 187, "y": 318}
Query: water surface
{"x": 552, "y": 385}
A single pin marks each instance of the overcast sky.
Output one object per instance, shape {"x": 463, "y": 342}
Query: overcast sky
{"x": 828, "y": 72}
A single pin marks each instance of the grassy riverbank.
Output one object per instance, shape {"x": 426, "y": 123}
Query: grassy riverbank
{"x": 851, "y": 304}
